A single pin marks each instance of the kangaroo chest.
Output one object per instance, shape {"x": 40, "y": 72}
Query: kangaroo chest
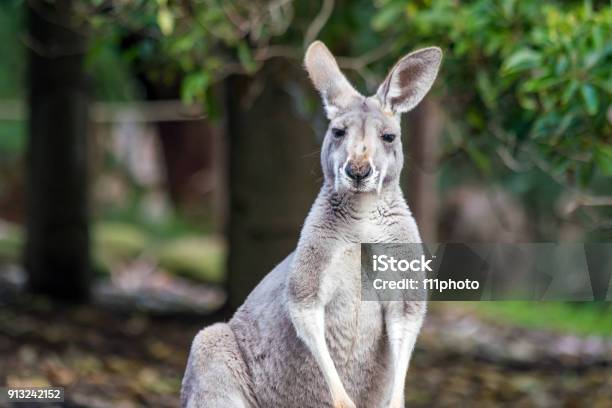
{"x": 352, "y": 326}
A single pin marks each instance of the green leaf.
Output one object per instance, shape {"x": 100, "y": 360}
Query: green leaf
{"x": 589, "y": 95}
{"x": 544, "y": 125}
{"x": 564, "y": 124}
{"x": 486, "y": 89}
{"x": 194, "y": 86}
{"x": 603, "y": 158}
{"x": 569, "y": 91}
{"x": 521, "y": 60}
{"x": 386, "y": 16}
{"x": 527, "y": 102}
{"x": 481, "y": 160}
{"x": 165, "y": 21}
{"x": 211, "y": 105}
{"x": 246, "y": 58}
{"x": 539, "y": 84}
{"x": 562, "y": 65}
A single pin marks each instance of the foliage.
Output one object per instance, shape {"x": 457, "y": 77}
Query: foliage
{"x": 116, "y": 242}
{"x": 200, "y": 259}
{"x": 119, "y": 243}
{"x": 582, "y": 318}
{"x": 12, "y": 67}
{"x": 12, "y": 70}
{"x": 525, "y": 86}
{"x": 197, "y": 42}
{"x": 11, "y": 138}
{"x": 530, "y": 82}
{"x": 527, "y": 81}
{"x": 11, "y": 243}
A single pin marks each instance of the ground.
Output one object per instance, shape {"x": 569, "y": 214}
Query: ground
{"x": 111, "y": 359}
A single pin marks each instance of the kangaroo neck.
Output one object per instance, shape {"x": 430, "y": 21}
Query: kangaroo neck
{"x": 352, "y": 206}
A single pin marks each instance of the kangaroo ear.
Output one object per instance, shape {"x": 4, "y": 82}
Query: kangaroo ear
{"x": 335, "y": 89}
{"x": 409, "y": 80}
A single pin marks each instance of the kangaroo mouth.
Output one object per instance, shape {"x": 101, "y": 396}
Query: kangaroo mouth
{"x": 361, "y": 185}
{"x": 364, "y": 185}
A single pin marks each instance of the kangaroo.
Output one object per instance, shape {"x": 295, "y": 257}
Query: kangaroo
{"x": 303, "y": 338}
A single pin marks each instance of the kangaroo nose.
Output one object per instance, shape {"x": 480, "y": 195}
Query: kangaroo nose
{"x": 358, "y": 171}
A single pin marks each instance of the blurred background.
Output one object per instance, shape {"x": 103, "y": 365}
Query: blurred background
{"x": 157, "y": 159}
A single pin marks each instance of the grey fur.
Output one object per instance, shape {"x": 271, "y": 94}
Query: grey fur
{"x": 303, "y": 338}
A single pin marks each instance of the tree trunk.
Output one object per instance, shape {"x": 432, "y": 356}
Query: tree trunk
{"x": 421, "y": 152}
{"x": 57, "y": 255}
{"x": 274, "y": 174}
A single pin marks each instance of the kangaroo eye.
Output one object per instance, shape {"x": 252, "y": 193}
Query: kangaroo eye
{"x": 388, "y": 137}
{"x": 338, "y": 133}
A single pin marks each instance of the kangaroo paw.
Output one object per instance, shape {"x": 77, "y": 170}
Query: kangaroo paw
{"x": 344, "y": 402}
{"x": 397, "y": 403}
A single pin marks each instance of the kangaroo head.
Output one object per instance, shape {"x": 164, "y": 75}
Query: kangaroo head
{"x": 362, "y": 149}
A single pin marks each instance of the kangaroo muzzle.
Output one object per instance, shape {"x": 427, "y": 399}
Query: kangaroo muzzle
{"x": 358, "y": 170}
